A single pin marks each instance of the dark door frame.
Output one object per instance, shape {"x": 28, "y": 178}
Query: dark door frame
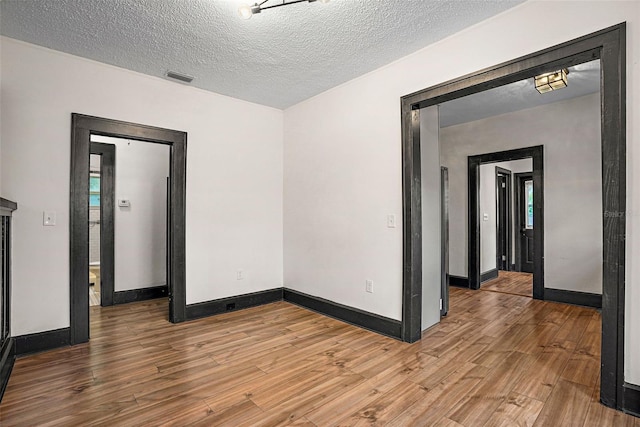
{"x": 508, "y": 226}
{"x": 473, "y": 250}
{"x": 519, "y": 177}
{"x": 82, "y": 127}
{"x": 107, "y": 153}
{"x": 608, "y": 45}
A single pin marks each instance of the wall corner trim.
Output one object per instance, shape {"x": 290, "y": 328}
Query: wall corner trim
{"x": 42, "y": 341}
{"x": 364, "y": 319}
{"x": 223, "y": 305}
{"x": 631, "y": 399}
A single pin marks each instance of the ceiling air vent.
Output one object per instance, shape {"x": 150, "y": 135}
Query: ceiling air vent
{"x": 180, "y": 77}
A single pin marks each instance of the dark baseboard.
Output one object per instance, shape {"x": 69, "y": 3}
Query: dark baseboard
{"x": 363, "y": 319}
{"x": 133, "y": 295}
{"x": 631, "y": 399}
{"x": 7, "y": 357}
{"x": 42, "y": 341}
{"x": 488, "y": 275}
{"x": 513, "y": 267}
{"x": 222, "y": 305}
{"x": 573, "y": 297}
{"x": 458, "y": 281}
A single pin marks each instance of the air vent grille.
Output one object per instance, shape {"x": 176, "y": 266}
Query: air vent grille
{"x": 179, "y": 76}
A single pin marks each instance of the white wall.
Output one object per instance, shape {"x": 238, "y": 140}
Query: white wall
{"x": 140, "y": 230}
{"x": 342, "y": 156}
{"x": 570, "y": 133}
{"x": 431, "y": 241}
{"x": 234, "y": 176}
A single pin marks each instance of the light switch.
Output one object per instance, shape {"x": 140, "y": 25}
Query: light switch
{"x": 485, "y": 217}
{"x": 391, "y": 221}
{"x": 49, "y": 218}
{"x": 124, "y": 203}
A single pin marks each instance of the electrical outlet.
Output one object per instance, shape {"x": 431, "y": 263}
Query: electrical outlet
{"x": 49, "y": 218}
{"x": 368, "y": 286}
{"x": 391, "y": 221}
{"x": 239, "y": 275}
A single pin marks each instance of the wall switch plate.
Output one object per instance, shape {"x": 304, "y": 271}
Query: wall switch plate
{"x": 48, "y": 218}
{"x": 391, "y": 221}
{"x": 239, "y": 275}
{"x": 485, "y": 217}
{"x": 124, "y": 203}
{"x": 368, "y": 286}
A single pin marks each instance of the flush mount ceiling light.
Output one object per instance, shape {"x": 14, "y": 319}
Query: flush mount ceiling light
{"x": 247, "y": 11}
{"x": 551, "y": 81}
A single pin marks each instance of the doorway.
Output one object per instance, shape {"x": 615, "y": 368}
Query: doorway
{"x": 503, "y": 219}
{"x": 525, "y": 242}
{"x": 609, "y": 47}
{"x": 101, "y": 223}
{"x": 83, "y": 127}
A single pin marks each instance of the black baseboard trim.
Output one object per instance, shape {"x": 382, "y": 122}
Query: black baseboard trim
{"x": 488, "y": 275}
{"x": 458, "y": 281}
{"x": 133, "y": 295}
{"x": 364, "y": 319}
{"x": 513, "y": 267}
{"x": 573, "y": 297}
{"x": 631, "y": 399}
{"x": 7, "y": 357}
{"x": 223, "y": 305}
{"x": 42, "y": 341}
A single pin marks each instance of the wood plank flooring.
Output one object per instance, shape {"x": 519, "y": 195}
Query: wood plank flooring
{"x": 496, "y": 360}
{"x": 511, "y": 282}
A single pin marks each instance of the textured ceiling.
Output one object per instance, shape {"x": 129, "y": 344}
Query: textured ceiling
{"x": 583, "y": 79}
{"x": 278, "y": 58}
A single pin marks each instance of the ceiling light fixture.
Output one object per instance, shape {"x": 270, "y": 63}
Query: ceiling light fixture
{"x": 551, "y": 81}
{"x": 246, "y": 11}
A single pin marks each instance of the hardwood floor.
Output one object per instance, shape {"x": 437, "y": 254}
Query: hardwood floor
{"x": 496, "y": 360}
{"x": 511, "y": 282}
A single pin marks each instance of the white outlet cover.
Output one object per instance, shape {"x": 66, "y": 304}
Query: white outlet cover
{"x": 48, "y": 218}
{"x": 391, "y": 221}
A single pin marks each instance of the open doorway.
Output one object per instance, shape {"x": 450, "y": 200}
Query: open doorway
{"x": 85, "y": 129}
{"x": 501, "y": 231}
{"x": 127, "y": 220}
{"x": 608, "y": 47}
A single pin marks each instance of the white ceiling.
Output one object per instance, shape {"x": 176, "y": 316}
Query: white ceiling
{"x": 277, "y": 58}
{"x": 583, "y": 79}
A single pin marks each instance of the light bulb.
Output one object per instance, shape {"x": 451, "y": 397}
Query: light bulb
{"x": 323, "y": 1}
{"x": 245, "y": 11}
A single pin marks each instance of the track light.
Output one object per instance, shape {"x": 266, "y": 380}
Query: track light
{"x": 246, "y": 11}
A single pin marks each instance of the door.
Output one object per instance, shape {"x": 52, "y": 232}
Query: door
{"x": 525, "y": 222}
{"x": 444, "y": 235}
{"x": 503, "y": 219}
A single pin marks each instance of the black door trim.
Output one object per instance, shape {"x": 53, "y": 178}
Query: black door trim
{"x": 82, "y": 127}
{"x": 473, "y": 250}
{"x": 509, "y": 223}
{"x": 107, "y": 152}
{"x": 608, "y": 45}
